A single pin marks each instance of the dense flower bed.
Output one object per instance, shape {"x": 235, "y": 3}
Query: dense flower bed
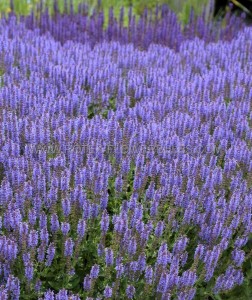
{"x": 124, "y": 173}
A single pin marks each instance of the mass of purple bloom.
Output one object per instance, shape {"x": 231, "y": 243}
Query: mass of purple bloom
{"x": 125, "y": 156}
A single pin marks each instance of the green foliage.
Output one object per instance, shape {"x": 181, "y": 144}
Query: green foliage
{"x": 100, "y": 109}
{"x": 242, "y": 7}
{"x": 1, "y": 172}
{"x": 184, "y": 14}
{"x": 181, "y": 7}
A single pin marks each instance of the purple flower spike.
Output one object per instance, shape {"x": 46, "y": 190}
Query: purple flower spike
{"x": 69, "y": 245}
{"x": 87, "y": 283}
{"x": 109, "y": 256}
{"x": 107, "y": 292}
{"x": 130, "y": 291}
{"x": 94, "y": 273}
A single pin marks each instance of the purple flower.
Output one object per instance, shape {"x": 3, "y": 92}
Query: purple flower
{"x": 86, "y": 210}
{"x": 42, "y": 220}
{"x": 188, "y": 279}
{"x": 66, "y": 207}
{"x": 44, "y": 236}
{"x": 94, "y": 273}
{"x": 104, "y": 221}
{"x": 50, "y": 254}
{"x": 227, "y": 280}
{"x": 94, "y": 210}
{"x": 130, "y": 291}
{"x": 41, "y": 253}
{"x": 240, "y": 242}
{"x": 62, "y": 295}
{"x": 109, "y": 257}
{"x": 120, "y": 223}
{"x": 154, "y": 208}
{"x": 38, "y": 285}
{"x": 3, "y": 295}
{"x": 162, "y": 285}
{"x": 132, "y": 246}
{"x": 100, "y": 249}
{"x": 32, "y": 217}
{"x": 69, "y": 245}
{"x": 187, "y": 295}
{"x": 26, "y": 258}
{"x": 81, "y": 228}
{"x": 104, "y": 201}
{"x": 13, "y": 286}
{"x": 29, "y": 271}
{"x": 159, "y": 229}
{"x": 141, "y": 263}
{"x": 118, "y": 184}
{"x": 180, "y": 245}
{"x": 87, "y": 283}
{"x": 164, "y": 256}
{"x": 184, "y": 257}
{"x": 49, "y": 295}
{"x": 65, "y": 227}
{"x": 148, "y": 275}
{"x": 54, "y": 222}
{"x": 23, "y": 229}
{"x": 119, "y": 270}
{"x": 33, "y": 239}
{"x": 199, "y": 252}
{"x": 133, "y": 266}
{"x": 238, "y": 257}
{"x": 107, "y": 292}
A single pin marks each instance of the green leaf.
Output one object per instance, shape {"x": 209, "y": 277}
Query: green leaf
{"x": 74, "y": 282}
{"x": 56, "y": 285}
{"x": 241, "y": 6}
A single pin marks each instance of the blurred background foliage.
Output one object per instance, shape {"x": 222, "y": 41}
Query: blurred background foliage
{"x": 181, "y": 7}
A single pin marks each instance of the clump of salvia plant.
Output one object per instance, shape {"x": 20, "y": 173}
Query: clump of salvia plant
{"x": 125, "y": 158}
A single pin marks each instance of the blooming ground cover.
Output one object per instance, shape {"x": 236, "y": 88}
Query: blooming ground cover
{"x": 125, "y": 158}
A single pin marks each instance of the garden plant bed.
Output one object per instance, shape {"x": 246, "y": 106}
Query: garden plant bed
{"x": 125, "y": 157}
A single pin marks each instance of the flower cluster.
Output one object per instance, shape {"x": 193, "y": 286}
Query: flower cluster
{"x": 123, "y": 172}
